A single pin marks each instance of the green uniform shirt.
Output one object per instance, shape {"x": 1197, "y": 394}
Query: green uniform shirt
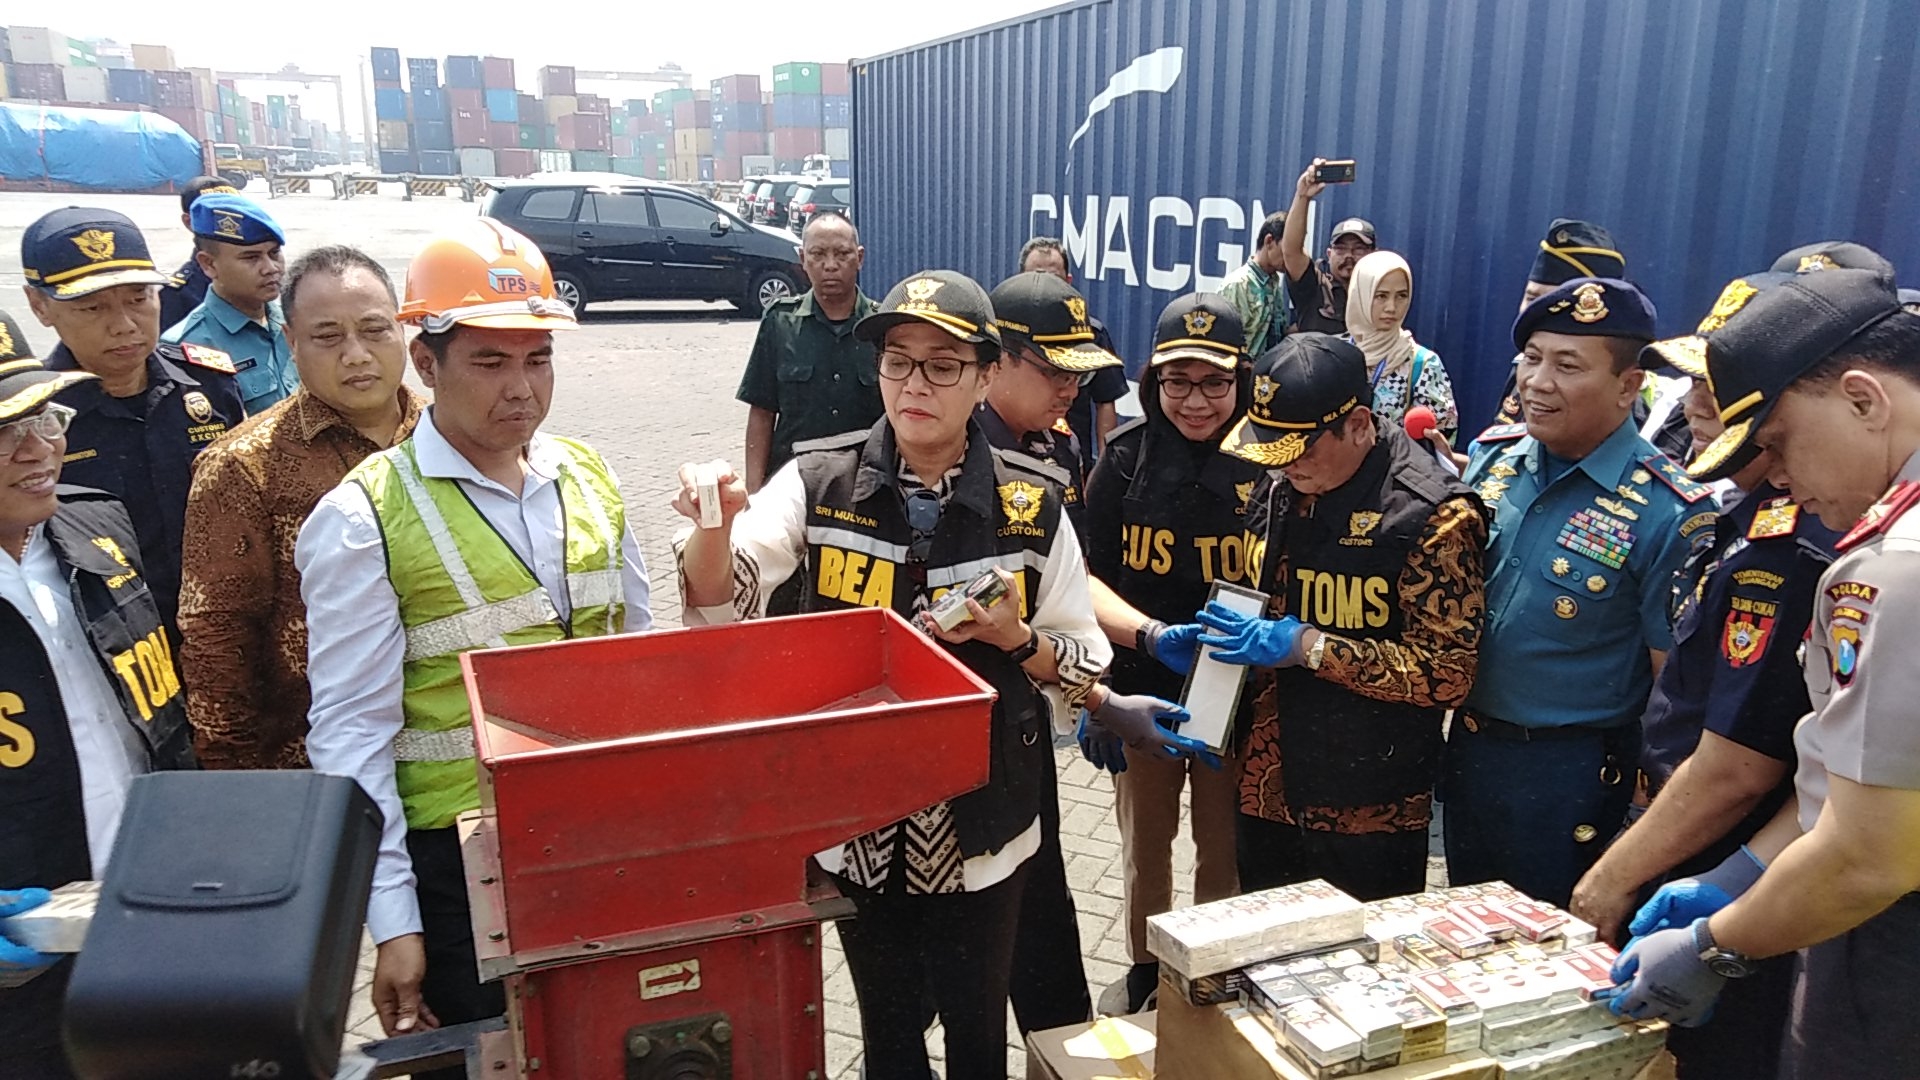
{"x": 813, "y": 375}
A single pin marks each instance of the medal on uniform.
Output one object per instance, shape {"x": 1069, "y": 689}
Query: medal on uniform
{"x": 1565, "y": 607}
{"x": 1616, "y": 508}
{"x": 1628, "y": 493}
{"x": 1502, "y": 470}
{"x": 1561, "y": 567}
{"x": 1491, "y": 491}
{"x": 1599, "y": 538}
{"x": 1641, "y": 476}
{"x": 1596, "y": 584}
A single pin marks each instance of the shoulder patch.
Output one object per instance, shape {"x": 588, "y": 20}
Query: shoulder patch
{"x": 1776, "y": 517}
{"x": 1881, "y": 516}
{"x": 1697, "y": 522}
{"x": 844, "y": 440}
{"x": 211, "y": 359}
{"x": 1502, "y": 433}
{"x": 1035, "y": 465}
{"x": 1675, "y": 477}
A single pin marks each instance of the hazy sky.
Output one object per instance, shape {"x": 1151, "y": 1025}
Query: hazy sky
{"x": 709, "y": 39}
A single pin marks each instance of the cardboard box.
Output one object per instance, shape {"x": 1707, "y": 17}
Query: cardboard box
{"x": 1115, "y": 1048}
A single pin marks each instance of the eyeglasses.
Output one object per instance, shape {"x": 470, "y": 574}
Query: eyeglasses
{"x": 937, "y": 370}
{"x": 1060, "y": 379}
{"x": 923, "y": 516}
{"x": 49, "y": 425}
{"x": 1214, "y": 387}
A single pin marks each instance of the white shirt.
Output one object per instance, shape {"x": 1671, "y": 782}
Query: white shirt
{"x": 111, "y": 752}
{"x": 771, "y": 533}
{"x": 356, "y": 643}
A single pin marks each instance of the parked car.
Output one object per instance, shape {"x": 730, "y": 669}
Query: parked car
{"x": 771, "y": 206}
{"x": 755, "y": 191}
{"x": 818, "y": 197}
{"x": 642, "y": 240}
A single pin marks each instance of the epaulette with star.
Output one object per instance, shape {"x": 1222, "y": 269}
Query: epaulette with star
{"x": 1675, "y": 477}
{"x": 1061, "y": 427}
{"x": 1881, "y": 515}
{"x": 211, "y": 359}
{"x": 1502, "y": 433}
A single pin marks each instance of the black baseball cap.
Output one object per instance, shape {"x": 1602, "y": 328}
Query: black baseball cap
{"x": 947, "y": 299}
{"x": 1053, "y": 315}
{"x": 1200, "y": 326}
{"x": 1301, "y": 388}
{"x": 1576, "y": 249}
{"x": 13, "y": 342}
{"x": 1831, "y": 255}
{"x": 26, "y": 386}
{"x": 77, "y": 250}
{"x": 1768, "y": 330}
{"x": 1354, "y": 226}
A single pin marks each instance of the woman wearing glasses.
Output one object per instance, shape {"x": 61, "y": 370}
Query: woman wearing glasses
{"x": 89, "y": 696}
{"x": 1164, "y": 516}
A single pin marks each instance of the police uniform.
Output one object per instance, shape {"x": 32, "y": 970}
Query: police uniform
{"x": 140, "y": 449}
{"x": 80, "y": 712}
{"x": 258, "y": 349}
{"x": 1166, "y": 519}
{"x": 939, "y": 893}
{"x": 1540, "y": 763}
{"x": 1344, "y": 748}
{"x": 1571, "y": 249}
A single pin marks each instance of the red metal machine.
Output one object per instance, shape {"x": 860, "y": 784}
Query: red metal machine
{"x": 637, "y": 869}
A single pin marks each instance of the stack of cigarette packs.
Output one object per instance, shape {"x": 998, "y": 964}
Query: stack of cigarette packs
{"x": 1472, "y": 969}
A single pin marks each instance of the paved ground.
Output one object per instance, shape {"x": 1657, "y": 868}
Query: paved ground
{"x": 651, "y": 387}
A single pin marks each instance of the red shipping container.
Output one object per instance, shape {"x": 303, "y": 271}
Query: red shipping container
{"x": 835, "y": 80}
{"x": 514, "y": 161}
{"x": 190, "y": 119}
{"x": 697, "y": 113}
{"x": 726, "y": 168}
{"x": 472, "y": 99}
{"x": 622, "y": 145}
{"x": 497, "y": 72}
{"x": 734, "y": 144}
{"x": 742, "y": 88}
{"x": 259, "y": 111}
{"x": 593, "y": 104}
{"x": 557, "y": 81}
{"x": 470, "y": 128}
{"x": 791, "y": 143}
{"x": 503, "y": 134}
{"x": 582, "y": 131}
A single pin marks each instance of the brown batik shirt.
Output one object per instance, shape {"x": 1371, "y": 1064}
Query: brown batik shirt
{"x": 244, "y": 653}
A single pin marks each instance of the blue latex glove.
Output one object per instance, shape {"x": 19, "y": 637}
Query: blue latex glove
{"x": 1175, "y": 646}
{"x": 1679, "y": 902}
{"x": 1244, "y": 639}
{"x": 1661, "y": 977}
{"x": 15, "y": 957}
{"x": 1136, "y": 720}
{"x": 1099, "y": 746}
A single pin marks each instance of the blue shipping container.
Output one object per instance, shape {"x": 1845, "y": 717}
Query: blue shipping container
{"x": 739, "y": 116}
{"x": 797, "y": 111}
{"x": 398, "y": 161}
{"x": 1153, "y": 136}
{"x": 439, "y": 163}
{"x": 429, "y": 104}
{"x": 503, "y": 106}
{"x": 465, "y": 72}
{"x": 432, "y": 135}
{"x": 422, "y": 73}
{"x": 389, "y": 104}
{"x": 129, "y": 86}
{"x": 386, "y": 65}
{"x": 836, "y": 111}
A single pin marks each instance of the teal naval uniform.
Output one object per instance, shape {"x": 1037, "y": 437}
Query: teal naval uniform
{"x": 1581, "y": 562}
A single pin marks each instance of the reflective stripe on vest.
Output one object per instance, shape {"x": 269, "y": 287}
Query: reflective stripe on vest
{"x": 461, "y": 587}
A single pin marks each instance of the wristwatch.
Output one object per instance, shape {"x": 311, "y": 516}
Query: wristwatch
{"x": 1722, "y": 962}
{"x": 1025, "y": 652}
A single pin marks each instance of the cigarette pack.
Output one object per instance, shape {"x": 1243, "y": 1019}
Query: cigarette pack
{"x": 951, "y": 609}
{"x": 1562, "y": 985}
{"x": 1364, "y": 1010}
{"x": 60, "y": 924}
{"x": 1423, "y": 1030}
{"x": 1578, "y": 933}
{"x": 1273, "y": 990}
{"x": 1212, "y": 693}
{"x": 1344, "y": 955}
{"x": 1418, "y": 952}
{"x": 1436, "y": 989}
{"x": 706, "y": 487}
{"x": 1613, "y": 1053}
{"x": 1539, "y": 1029}
{"x": 1500, "y": 997}
{"x": 1317, "y": 1036}
{"x": 1481, "y": 918}
{"x": 1592, "y": 976}
{"x": 1459, "y": 939}
{"x": 1321, "y": 981}
{"x": 1534, "y": 922}
{"x": 1208, "y": 990}
{"x": 1232, "y": 933}
{"x": 1600, "y": 952}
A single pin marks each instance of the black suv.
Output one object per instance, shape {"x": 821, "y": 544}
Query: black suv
{"x": 635, "y": 239}
{"x": 816, "y": 197}
{"x": 770, "y": 206}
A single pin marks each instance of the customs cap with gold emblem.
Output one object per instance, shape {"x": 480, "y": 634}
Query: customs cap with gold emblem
{"x": 1302, "y": 388}
{"x": 78, "y": 250}
{"x": 26, "y": 387}
{"x": 13, "y": 342}
{"x": 1588, "y": 307}
{"x": 1769, "y": 330}
{"x": 1038, "y": 312}
{"x": 1200, "y": 326}
{"x": 947, "y": 299}
{"x": 232, "y": 218}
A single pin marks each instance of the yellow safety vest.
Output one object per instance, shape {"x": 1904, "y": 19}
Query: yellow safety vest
{"x": 462, "y": 587}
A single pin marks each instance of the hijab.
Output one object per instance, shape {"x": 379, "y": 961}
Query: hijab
{"x": 1391, "y": 346}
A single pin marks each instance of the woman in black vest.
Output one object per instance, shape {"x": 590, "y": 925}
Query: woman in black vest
{"x": 890, "y": 518}
{"x": 89, "y": 693}
{"x": 1165, "y": 513}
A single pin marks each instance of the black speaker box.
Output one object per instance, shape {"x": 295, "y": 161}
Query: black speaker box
{"x": 228, "y": 930}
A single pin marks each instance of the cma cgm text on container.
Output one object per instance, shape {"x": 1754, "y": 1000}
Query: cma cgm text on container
{"x": 1152, "y": 135}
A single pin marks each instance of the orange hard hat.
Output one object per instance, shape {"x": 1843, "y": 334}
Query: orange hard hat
{"x": 485, "y": 275}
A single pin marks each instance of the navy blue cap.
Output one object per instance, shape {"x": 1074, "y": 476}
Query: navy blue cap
{"x": 1576, "y": 249}
{"x": 77, "y": 250}
{"x": 1589, "y": 307}
{"x": 1301, "y": 387}
{"x": 1832, "y": 255}
{"x": 232, "y": 218}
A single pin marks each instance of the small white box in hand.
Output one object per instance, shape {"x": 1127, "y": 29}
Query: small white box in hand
{"x": 60, "y": 924}
{"x": 706, "y": 488}
{"x": 1212, "y": 693}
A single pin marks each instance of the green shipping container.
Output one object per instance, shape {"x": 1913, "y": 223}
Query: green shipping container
{"x": 530, "y": 136}
{"x": 799, "y": 77}
{"x": 627, "y": 166}
{"x": 592, "y": 161}
{"x": 664, "y": 101}
{"x": 81, "y": 54}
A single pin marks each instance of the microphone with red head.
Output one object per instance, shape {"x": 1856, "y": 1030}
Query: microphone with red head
{"x": 1420, "y": 423}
